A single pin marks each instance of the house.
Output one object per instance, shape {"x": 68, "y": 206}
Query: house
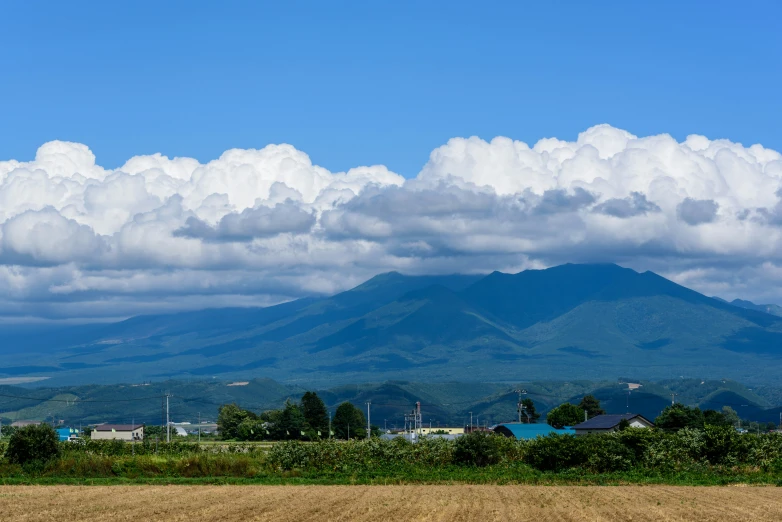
{"x": 528, "y": 431}
{"x": 606, "y": 423}
{"x": 128, "y": 432}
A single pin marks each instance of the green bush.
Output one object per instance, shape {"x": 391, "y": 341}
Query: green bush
{"x": 479, "y": 449}
{"x": 33, "y": 444}
{"x": 597, "y": 453}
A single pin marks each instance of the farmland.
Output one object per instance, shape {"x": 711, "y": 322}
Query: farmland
{"x": 452, "y": 503}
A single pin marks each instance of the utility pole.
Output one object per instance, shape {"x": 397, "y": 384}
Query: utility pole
{"x": 520, "y": 405}
{"x": 627, "y": 403}
{"x": 329, "y": 424}
{"x": 199, "y": 427}
{"x": 369, "y": 426}
{"x": 673, "y": 399}
{"x": 168, "y": 422}
{"x": 470, "y": 422}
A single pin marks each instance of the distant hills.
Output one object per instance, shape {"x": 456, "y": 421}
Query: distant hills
{"x": 444, "y": 403}
{"x": 567, "y": 322}
{"x": 767, "y": 308}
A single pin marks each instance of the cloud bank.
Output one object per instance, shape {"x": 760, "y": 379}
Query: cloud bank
{"x": 255, "y": 227}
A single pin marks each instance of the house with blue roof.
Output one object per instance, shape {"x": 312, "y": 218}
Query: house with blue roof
{"x": 528, "y": 431}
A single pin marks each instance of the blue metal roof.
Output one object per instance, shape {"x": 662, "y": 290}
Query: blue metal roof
{"x": 64, "y": 433}
{"x": 606, "y": 422}
{"x": 528, "y": 431}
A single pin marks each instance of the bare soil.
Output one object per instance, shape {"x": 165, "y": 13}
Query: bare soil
{"x": 377, "y": 503}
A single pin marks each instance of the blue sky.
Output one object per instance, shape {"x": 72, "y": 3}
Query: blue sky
{"x": 379, "y": 84}
{"x": 362, "y": 83}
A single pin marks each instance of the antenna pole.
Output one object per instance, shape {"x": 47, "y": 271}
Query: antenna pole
{"x": 168, "y": 422}
{"x": 369, "y": 430}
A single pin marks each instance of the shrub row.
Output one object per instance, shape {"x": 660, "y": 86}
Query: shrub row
{"x": 645, "y": 449}
{"x": 637, "y": 450}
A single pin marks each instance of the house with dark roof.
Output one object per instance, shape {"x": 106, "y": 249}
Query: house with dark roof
{"x": 128, "y": 432}
{"x": 606, "y": 423}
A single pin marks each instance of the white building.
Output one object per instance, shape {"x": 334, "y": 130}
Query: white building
{"x": 128, "y": 432}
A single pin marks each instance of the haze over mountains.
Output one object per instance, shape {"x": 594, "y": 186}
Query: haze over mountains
{"x": 566, "y": 322}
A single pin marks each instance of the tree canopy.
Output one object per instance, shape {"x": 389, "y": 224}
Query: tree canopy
{"x": 592, "y": 406}
{"x": 678, "y": 416}
{"x": 349, "y": 422}
{"x": 307, "y": 420}
{"x": 35, "y": 443}
{"x": 565, "y": 415}
{"x": 316, "y": 416}
{"x": 528, "y": 411}
{"x": 229, "y": 417}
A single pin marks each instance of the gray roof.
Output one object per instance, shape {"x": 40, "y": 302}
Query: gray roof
{"x": 606, "y": 422}
{"x": 118, "y": 427}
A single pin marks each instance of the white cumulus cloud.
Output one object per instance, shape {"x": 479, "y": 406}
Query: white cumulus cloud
{"x": 260, "y": 226}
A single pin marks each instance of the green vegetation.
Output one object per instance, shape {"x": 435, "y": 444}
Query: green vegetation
{"x": 33, "y": 444}
{"x": 530, "y": 415}
{"x": 565, "y": 415}
{"x": 712, "y": 455}
{"x": 349, "y": 422}
{"x": 592, "y": 406}
{"x": 305, "y": 421}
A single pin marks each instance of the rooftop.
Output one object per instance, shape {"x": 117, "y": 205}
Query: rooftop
{"x": 527, "y": 431}
{"x": 118, "y": 427}
{"x": 607, "y": 422}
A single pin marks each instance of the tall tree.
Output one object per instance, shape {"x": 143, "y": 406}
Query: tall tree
{"x": 715, "y": 418}
{"x": 678, "y": 416}
{"x": 349, "y": 419}
{"x": 529, "y": 414}
{"x": 229, "y": 417}
{"x": 731, "y": 417}
{"x": 591, "y": 405}
{"x": 285, "y": 424}
{"x": 565, "y": 415}
{"x": 315, "y": 415}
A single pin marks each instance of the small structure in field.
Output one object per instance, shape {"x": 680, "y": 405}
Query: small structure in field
{"x": 127, "y": 432}
{"x": 607, "y": 423}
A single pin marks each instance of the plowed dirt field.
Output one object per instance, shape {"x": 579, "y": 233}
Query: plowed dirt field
{"x": 377, "y": 503}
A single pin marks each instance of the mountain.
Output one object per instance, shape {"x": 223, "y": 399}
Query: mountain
{"x": 567, "y": 322}
{"x": 767, "y": 308}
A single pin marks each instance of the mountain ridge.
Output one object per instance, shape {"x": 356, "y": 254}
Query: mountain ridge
{"x": 571, "y": 321}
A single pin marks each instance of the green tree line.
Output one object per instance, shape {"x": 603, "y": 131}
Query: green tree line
{"x": 307, "y": 419}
